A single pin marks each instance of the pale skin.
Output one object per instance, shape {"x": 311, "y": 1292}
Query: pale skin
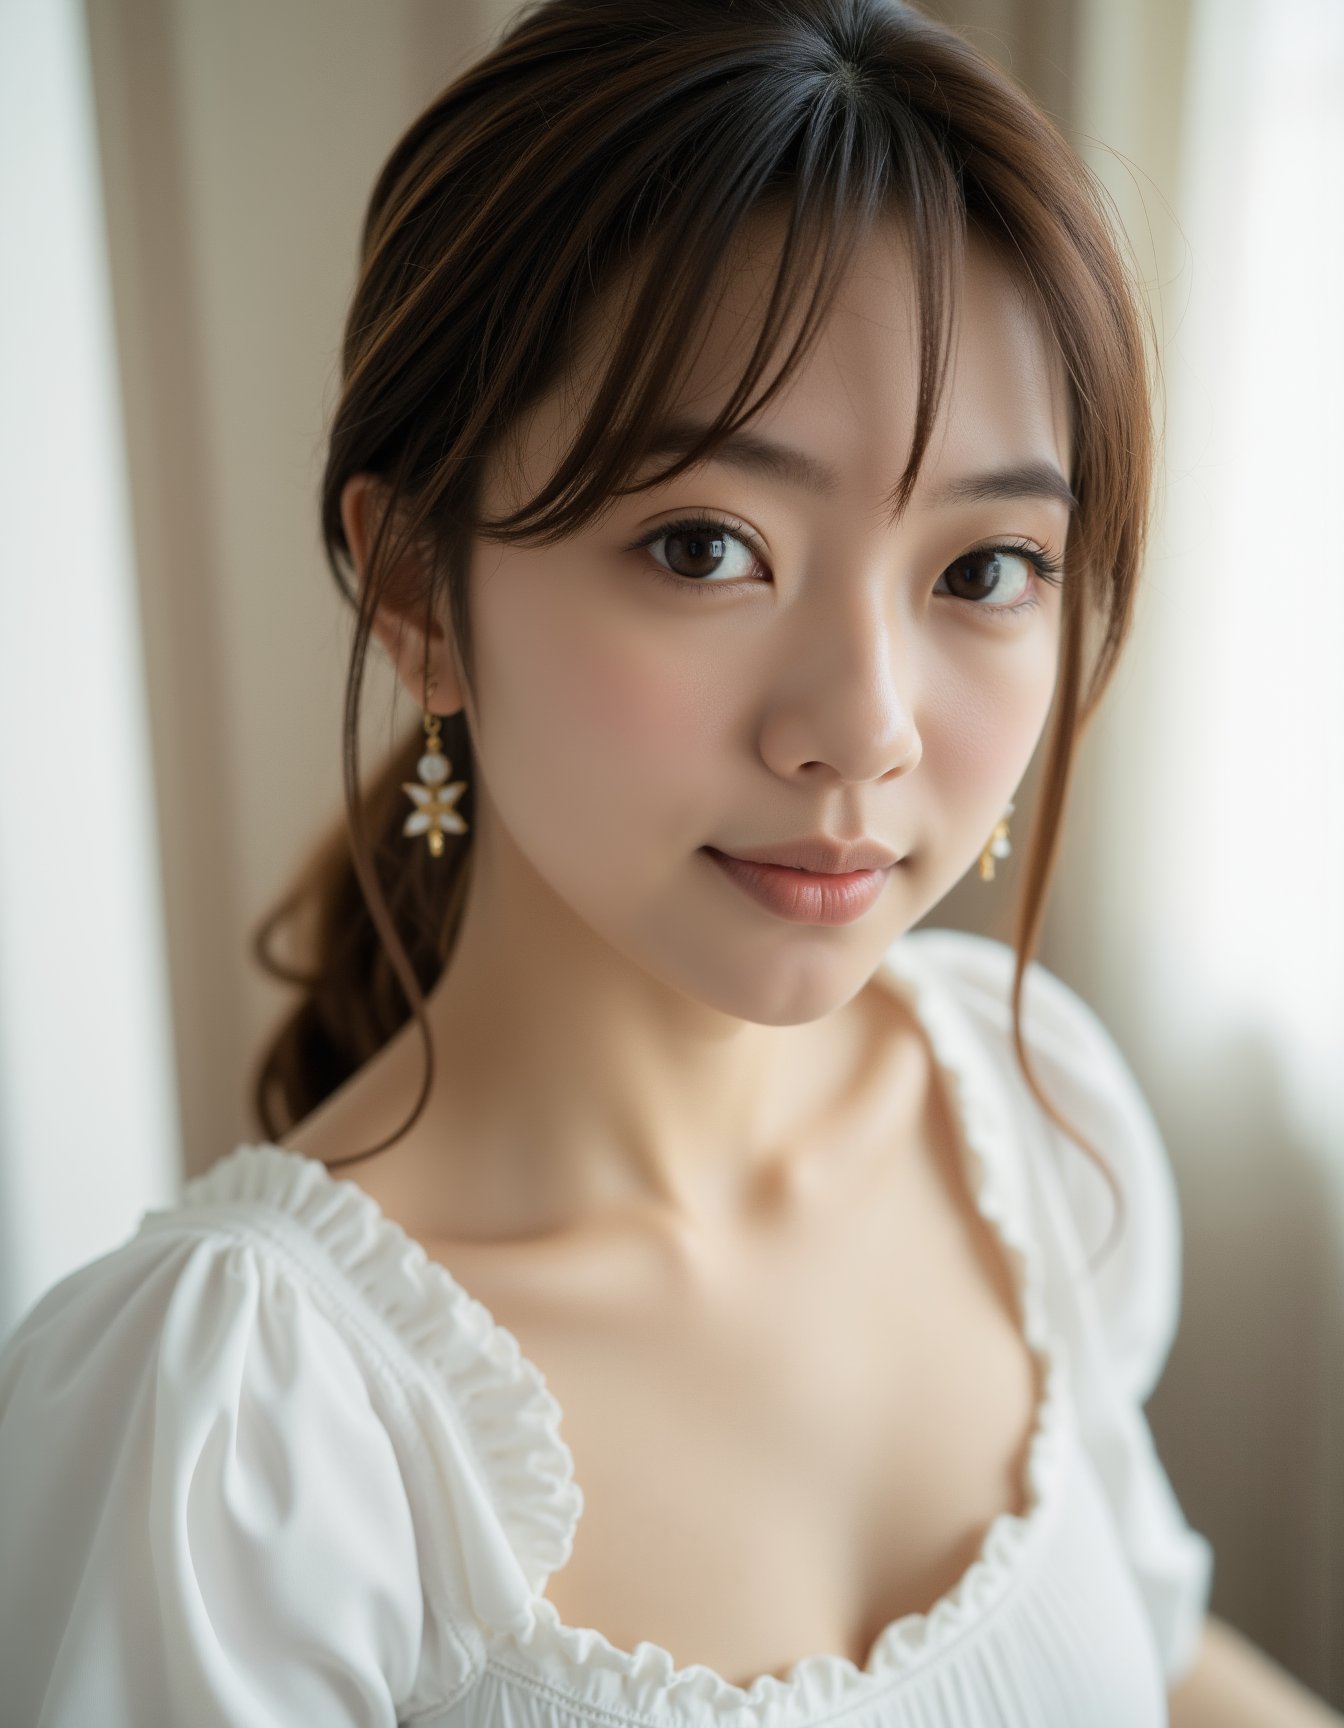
{"x": 649, "y": 1085}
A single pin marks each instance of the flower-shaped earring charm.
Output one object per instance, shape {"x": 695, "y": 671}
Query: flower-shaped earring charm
{"x": 997, "y": 846}
{"x": 434, "y": 814}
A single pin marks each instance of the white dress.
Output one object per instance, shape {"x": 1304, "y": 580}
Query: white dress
{"x": 267, "y": 1463}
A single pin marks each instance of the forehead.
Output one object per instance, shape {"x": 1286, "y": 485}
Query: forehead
{"x": 852, "y": 400}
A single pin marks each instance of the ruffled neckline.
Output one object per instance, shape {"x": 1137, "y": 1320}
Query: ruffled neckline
{"x": 513, "y": 1421}
{"x": 499, "y": 1398}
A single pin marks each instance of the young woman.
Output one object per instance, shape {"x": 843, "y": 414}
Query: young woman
{"x": 744, "y": 456}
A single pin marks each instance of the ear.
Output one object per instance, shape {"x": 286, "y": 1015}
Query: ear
{"x": 401, "y": 629}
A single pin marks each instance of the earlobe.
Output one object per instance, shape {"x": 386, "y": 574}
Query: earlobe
{"x": 400, "y": 629}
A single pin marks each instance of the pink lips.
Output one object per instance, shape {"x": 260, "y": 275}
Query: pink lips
{"x": 805, "y": 896}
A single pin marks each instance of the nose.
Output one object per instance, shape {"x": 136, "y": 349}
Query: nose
{"x": 842, "y": 700}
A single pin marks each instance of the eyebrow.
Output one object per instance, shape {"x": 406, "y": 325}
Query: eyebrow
{"x": 784, "y": 462}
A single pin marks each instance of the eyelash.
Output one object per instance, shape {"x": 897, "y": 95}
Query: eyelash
{"x": 1047, "y": 568}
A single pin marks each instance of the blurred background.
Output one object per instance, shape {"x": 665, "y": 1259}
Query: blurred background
{"x": 181, "y": 189}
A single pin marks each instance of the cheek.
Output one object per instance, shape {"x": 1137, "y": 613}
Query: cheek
{"x": 980, "y": 731}
{"x": 583, "y": 709}
{"x": 643, "y": 704}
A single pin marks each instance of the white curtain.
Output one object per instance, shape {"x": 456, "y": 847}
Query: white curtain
{"x": 1247, "y": 766}
{"x": 1200, "y": 903}
{"x": 87, "y": 1078}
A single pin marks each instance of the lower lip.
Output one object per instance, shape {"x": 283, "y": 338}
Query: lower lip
{"x": 805, "y": 896}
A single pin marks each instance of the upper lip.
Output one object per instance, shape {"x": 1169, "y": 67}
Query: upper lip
{"x": 819, "y": 852}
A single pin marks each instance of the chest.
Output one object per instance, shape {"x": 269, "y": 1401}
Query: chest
{"x": 785, "y": 1459}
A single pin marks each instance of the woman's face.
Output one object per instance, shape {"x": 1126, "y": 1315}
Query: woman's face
{"x": 807, "y": 668}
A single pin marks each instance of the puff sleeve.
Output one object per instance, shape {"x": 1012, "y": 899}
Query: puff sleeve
{"x": 1118, "y": 1316}
{"x": 201, "y": 1518}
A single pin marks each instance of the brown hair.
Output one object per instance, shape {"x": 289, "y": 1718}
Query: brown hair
{"x": 599, "y": 134}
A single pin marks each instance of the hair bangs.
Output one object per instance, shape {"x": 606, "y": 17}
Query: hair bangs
{"x": 851, "y": 162}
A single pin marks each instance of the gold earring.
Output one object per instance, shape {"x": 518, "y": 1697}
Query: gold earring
{"x": 434, "y": 814}
{"x": 997, "y": 846}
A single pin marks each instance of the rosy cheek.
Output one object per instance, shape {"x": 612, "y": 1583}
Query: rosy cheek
{"x": 647, "y": 710}
{"x": 978, "y": 738}
{"x": 588, "y": 699}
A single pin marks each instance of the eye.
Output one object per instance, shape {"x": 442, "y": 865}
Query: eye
{"x": 700, "y": 552}
{"x": 1008, "y": 573}
{"x": 705, "y": 553}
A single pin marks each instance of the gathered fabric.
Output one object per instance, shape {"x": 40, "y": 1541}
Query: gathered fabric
{"x": 268, "y": 1463}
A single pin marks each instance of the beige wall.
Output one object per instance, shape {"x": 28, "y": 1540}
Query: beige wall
{"x": 239, "y": 146}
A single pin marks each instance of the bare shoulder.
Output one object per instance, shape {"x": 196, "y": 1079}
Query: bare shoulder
{"x": 1235, "y": 1684}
